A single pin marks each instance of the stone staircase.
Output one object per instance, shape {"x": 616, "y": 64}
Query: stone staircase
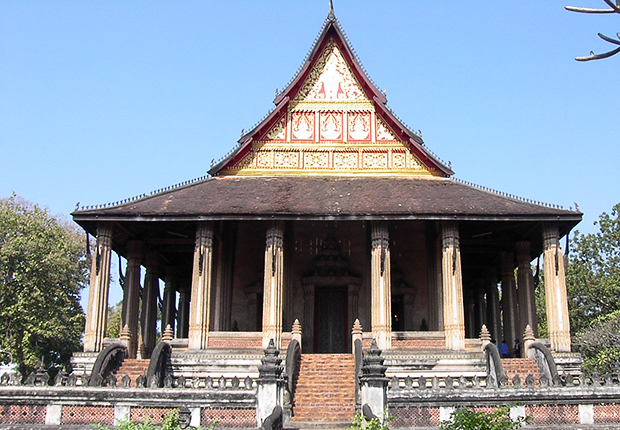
{"x": 132, "y": 367}
{"x": 325, "y": 392}
{"x": 521, "y": 367}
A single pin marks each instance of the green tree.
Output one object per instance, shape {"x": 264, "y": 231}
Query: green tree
{"x": 113, "y": 328}
{"x": 599, "y": 344}
{"x": 467, "y": 419}
{"x": 593, "y": 272}
{"x": 43, "y": 268}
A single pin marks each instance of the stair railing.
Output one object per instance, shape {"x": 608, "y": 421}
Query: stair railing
{"x": 544, "y": 360}
{"x": 494, "y": 363}
{"x": 158, "y": 366}
{"x": 108, "y": 361}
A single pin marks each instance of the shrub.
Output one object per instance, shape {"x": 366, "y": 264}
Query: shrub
{"x": 467, "y": 419}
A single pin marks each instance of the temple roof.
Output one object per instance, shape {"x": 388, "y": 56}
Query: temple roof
{"x": 232, "y": 197}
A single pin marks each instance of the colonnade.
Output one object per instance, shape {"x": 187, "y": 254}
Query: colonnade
{"x": 193, "y": 322}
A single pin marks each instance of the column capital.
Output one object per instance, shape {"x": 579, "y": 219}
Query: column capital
{"x": 450, "y": 234}
{"x": 524, "y": 255}
{"x": 507, "y": 264}
{"x": 550, "y": 234}
{"x": 135, "y": 249}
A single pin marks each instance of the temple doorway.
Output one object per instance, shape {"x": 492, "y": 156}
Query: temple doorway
{"x": 331, "y": 323}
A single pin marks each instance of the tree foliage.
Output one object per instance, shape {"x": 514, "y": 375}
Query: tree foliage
{"x": 593, "y": 272}
{"x": 43, "y": 268}
{"x": 467, "y": 419}
{"x": 599, "y": 344}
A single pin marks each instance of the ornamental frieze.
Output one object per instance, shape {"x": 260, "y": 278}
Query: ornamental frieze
{"x": 340, "y": 159}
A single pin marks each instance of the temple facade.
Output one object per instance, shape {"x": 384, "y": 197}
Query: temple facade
{"x": 330, "y": 212}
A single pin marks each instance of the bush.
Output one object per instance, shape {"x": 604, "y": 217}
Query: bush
{"x": 467, "y": 419}
{"x": 377, "y": 423}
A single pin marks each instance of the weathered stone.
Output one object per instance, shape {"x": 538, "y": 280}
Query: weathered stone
{"x": 126, "y": 381}
{"x": 248, "y": 383}
{"x": 516, "y": 382}
{"x": 221, "y": 383}
{"x": 529, "y": 381}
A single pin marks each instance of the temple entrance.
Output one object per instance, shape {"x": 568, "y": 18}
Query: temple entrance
{"x": 330, "y": 313}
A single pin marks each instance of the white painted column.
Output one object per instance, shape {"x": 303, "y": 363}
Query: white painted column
{"x": 273, "y": 285}
{"x": 380, "y": 286}
{"x": 97, "y": 311}
{"x": 453, "y": 313}
{"x": 201, "y": 288}
{"x": 555, "y": 290}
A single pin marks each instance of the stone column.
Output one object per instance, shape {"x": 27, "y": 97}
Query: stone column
{"x": 380, "y": 286}
{"x": 509, "y": 299}
{"x": 525, "y": 284}
{"x": 149, "y": 304}
{"x": 131, "y": 296}
{"x": 169, "y": 302}
{"x": 273, "y": 285}
{"x": 555, "y": 290}
{"x": 183, "y": 314}
{"x": 470, "y": 317}
{"x": 97, "y": 311}
{"x": 481, "y": 307}
{"x": 353, "y": 303}
{"x": 201, "y": 288}
{"x": 308, "y": 316}
{"x": 493, "y": 307}
{"x": 453, "y": 314}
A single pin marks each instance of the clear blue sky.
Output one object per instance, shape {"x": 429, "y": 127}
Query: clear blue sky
{"x": 104, "y": 100}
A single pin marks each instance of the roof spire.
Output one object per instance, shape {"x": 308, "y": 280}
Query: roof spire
{"x": 331, "y": 15}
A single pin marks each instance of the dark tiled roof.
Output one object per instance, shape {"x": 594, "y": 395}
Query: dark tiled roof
{"x": 234, "y": 197}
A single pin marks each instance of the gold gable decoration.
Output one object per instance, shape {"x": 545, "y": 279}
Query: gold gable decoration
{"x": 331, "y": 79}
{"x": 329, "y": 127}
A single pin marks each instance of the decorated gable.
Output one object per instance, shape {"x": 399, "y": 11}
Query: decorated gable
{"x": 330, "y": 120}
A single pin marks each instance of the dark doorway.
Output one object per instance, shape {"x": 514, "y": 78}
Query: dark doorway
{"x": 398, "y": 312}
{"x": 330, "y": 320}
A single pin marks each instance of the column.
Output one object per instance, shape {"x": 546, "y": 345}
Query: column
{"x": 435, "y": 309}
{"x": 493, "y": 307}
{"x": 555, "y": 290}
{"x": 199, "y": 313}
{"x": 380, "y": 285}
{"x": 273, "y": 285}
{"x": 97, "y": 312}
{"x": 453, "y": 314}
{"x": 131, "y": 296}
{"x": 470, "y": 317}
{"x": 183, "y": 313}
{"x": 481, "y": 307}
{"x": 169, "y": 303}
{"x": 525, "y": 284}
{"x": 509, "y": 299}
{"x": 308, "y": 333}
{"x": 149, "y": 304}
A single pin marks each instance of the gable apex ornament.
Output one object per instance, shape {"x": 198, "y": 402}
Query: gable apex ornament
{"x": 331, "y": 15}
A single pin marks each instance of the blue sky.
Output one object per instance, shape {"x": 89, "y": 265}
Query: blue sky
{"x": 104, "y": 100}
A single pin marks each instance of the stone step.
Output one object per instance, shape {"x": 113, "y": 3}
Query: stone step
{"x": 325, "y": 391}
{"x": 522, "y": 367}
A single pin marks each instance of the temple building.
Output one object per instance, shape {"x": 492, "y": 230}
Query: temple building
{"x": 330, "y": 212}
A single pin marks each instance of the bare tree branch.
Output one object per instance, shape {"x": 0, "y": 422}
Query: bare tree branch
{"x": 615, "y": 8}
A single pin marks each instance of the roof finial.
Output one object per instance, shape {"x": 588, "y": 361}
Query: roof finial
{"x": 331, "y": 15}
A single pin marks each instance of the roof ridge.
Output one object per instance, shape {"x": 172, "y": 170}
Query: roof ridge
{"x": 510, "y": 196}
{"x": 143, "y": 196}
